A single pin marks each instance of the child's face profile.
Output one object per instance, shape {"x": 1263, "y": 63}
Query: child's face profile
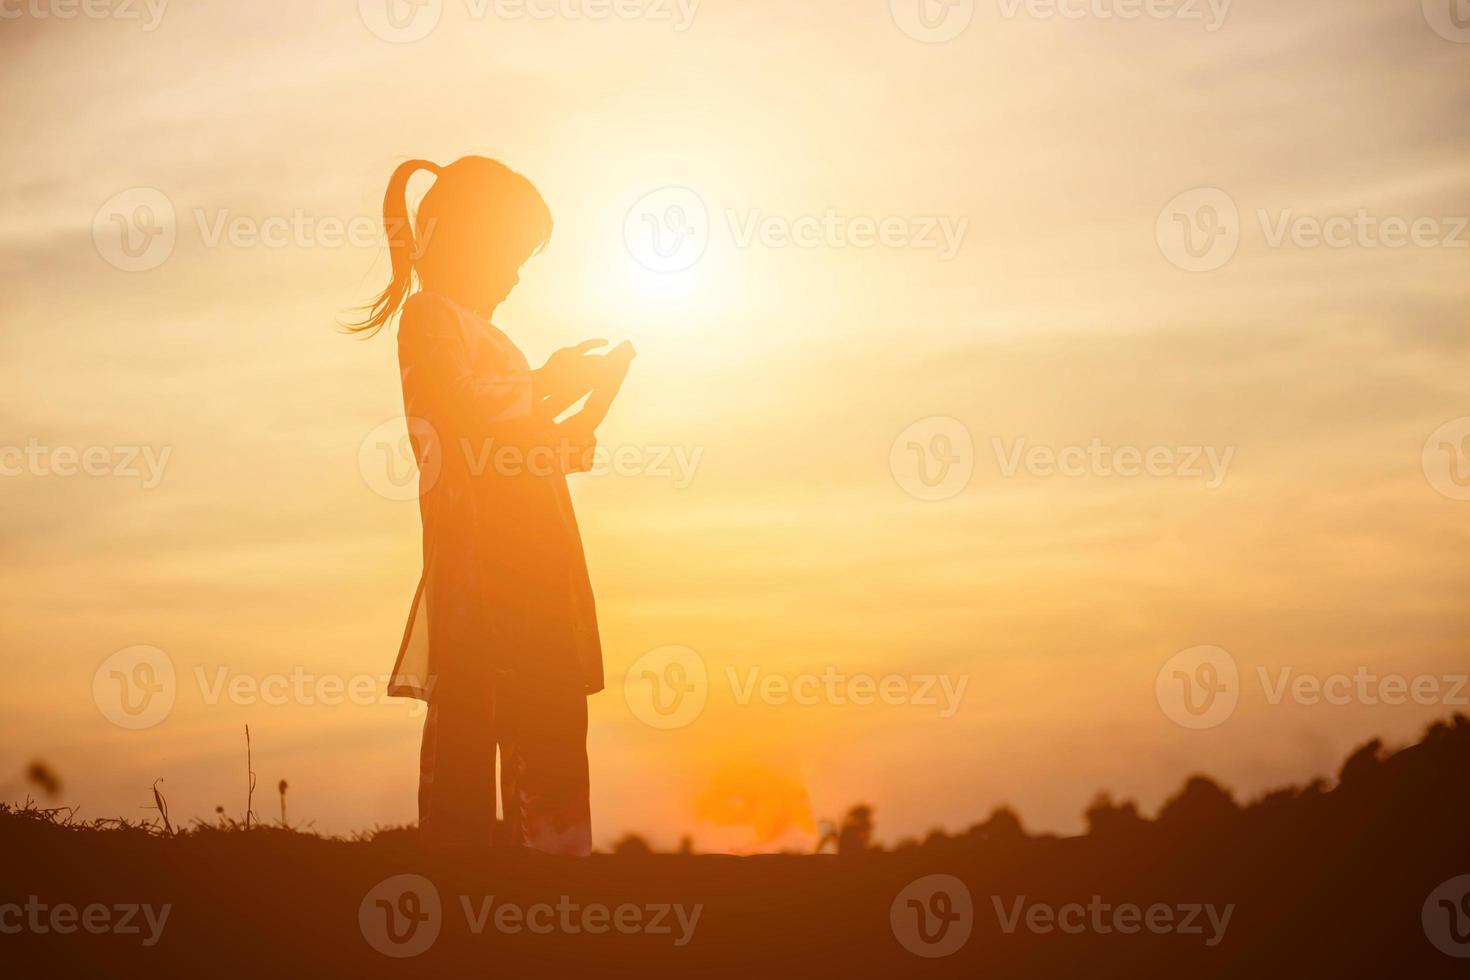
{"x": 499, "y": 278}
{"x": 477, "y": 267}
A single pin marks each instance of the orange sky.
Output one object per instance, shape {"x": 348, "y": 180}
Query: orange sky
{"x": 787, "y": 372}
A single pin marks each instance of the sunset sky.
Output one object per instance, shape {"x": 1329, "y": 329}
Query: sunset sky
{"x": 782, "y": 373}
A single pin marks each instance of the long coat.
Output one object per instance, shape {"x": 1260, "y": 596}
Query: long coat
{"x": 504, "y": 586}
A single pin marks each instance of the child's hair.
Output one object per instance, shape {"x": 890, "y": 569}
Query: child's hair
{"x": 478, "y": 211}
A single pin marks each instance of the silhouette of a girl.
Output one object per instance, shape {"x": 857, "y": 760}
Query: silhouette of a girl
{"x": 502, "y": 637}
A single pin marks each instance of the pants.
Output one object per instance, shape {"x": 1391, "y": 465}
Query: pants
{"x": 541, "y": 731}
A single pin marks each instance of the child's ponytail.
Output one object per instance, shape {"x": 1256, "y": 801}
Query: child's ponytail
{"x": 401, "y": 249}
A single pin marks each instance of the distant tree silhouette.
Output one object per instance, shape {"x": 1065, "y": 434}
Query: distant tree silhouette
{"x": 854, "y": 836}
{"x": 631, "y": 845}
{"x": 1201, "y": 803}
{"x": 1105, "y": 818}
{"x": 1001, "y": 826}
{"x": 1285, "y": 803}
{"x": 1362, "y": 765}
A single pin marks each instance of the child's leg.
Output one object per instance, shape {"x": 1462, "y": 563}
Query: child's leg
{"x": 457, "y": 771}
{"x": 543, "y": 767}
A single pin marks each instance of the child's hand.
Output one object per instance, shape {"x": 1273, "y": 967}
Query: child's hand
{"x": 572, "y": 364}
{"x": 615, "y": 366}
{"x": 617, "y": 361}
{"x": 569, "y": 374}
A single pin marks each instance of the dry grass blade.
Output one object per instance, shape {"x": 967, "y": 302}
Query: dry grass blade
{"x": 161, "y": 805}
{"x": 250, "y": 772}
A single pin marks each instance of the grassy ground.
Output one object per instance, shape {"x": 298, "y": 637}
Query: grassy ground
{"x": 1316, "y": 882}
